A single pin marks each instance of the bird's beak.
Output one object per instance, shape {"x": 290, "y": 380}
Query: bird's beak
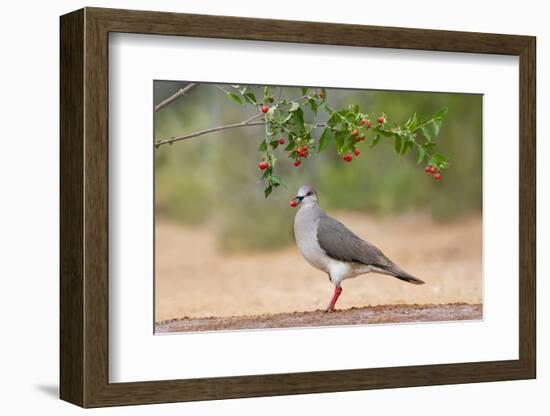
{"x": 296, "y": 201}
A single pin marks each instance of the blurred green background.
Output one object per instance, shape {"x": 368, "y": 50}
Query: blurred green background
{"x": 213, "y": 180}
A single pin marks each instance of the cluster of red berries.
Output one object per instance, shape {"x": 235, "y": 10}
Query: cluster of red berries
{"x": 301, "y": 152}
{"x": 355, "y": 133}
{"x": 364, "y": 121}
{"x": 358, "y": 138}
{"x": 431, "y": 170}
{"x": 347, "y": 157}
{"x": 263, "y": 165}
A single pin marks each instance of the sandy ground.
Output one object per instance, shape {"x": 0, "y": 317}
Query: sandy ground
{"x": 194, "y": 279}
{"x": 355, "y": 316}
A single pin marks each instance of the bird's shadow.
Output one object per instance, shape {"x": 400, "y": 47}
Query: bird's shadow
{"x": 51, "y": 390}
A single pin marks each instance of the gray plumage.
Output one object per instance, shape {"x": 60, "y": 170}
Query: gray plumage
{"x": 340, "y": 243}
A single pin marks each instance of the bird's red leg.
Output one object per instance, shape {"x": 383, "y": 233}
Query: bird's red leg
{"x": 337, "y": 292}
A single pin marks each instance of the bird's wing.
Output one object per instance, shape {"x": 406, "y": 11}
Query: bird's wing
{"x": 342, "y": 244}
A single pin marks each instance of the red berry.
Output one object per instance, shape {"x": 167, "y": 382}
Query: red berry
{"x": 428, "y": 169}
{"x": 354, "y": 132}
{"x": 356, "y": 152}
{"x": 264, "y": 109}
{"x": 381, "y": 120}
{"x": 432, "y": 169}
{"x": 437, "y": 176}
{"x": 347, "y": 157}
{"x": 369, "y": 124}
{"x": 358, "y": 139}
{"x": 297, "y": 162}
{"x": 263, "y": 165}
{"x": 293, "y": 203}
{"x": 363, "y": 121}
{"x": 281, "y": 141}
{"x": 305, "y": 147}
{"x": 320, "y": 94}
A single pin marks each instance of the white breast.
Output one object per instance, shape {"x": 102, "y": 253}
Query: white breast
{"x": 305, "y": 231}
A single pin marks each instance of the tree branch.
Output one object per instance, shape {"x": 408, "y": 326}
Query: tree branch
{"x": 180, "y": 93}
{"x": 245, "y": 123}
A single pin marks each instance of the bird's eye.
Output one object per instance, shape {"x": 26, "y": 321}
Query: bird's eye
{"x": 309, "y": 194}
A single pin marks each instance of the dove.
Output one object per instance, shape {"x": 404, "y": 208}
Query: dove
{"x": 327, "y": 245}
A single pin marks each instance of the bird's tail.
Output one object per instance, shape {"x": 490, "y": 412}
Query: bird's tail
{"x": 410, "y": 279}
{"x": 403, "y": 275}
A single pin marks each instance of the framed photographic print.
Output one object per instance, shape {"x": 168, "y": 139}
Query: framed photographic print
{"x": 256, "y": 207}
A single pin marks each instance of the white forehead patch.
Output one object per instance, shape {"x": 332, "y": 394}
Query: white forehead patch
{"x": 304, "y": 190}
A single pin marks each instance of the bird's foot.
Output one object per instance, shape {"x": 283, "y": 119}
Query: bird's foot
{"x": 329, "y": 309}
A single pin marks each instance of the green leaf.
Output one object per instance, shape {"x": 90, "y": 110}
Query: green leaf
{"x": 441, "y": 114}
{"x": 340, "y": 138}
{"x": 276, "y": 180}
{"x": 439, "y": 159}
{"x": 277, "y": 115}
{"x": 350, "y": 141}
{"x": 313, "y": 105}
{"x": 398, "y": 143}
{"x": 386, "y": 133}
{"x": 293, "y": 107}
{"x": 250, "y": 97}
{"x": 428, "y": 146}
{"x": 436, "y": 126}
{"x": 420, "y": 155}
{"x": 325, "y": 139}
{"x": 303, "y": 90}
{"x": 426, "y": 132}
{"x": 287, "y": 118}
{"x": 333, "y": 120}
{"x": 376, "y": 140}
{"x": 263, "y": 146}
{"x": 234, "y": 97}
{"x": 298, "y": 117}
{"x": 268, "y": 190}
{"x": 413, "y": 123}
{"x": 268, "y": 172}
{"x": 406, "y": 147}
{"x": 347, "y": 115}
{"x": 274, "y": 144}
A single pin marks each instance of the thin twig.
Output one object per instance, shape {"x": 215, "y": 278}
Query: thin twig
{"x": 245, "y": 123}
{"x": 180, "y": 93}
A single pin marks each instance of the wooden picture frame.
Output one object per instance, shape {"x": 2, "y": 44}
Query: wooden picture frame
{"x": 84, "y": 207}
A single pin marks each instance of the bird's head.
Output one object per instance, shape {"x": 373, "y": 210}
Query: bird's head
{"x": 306, "y": 194}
